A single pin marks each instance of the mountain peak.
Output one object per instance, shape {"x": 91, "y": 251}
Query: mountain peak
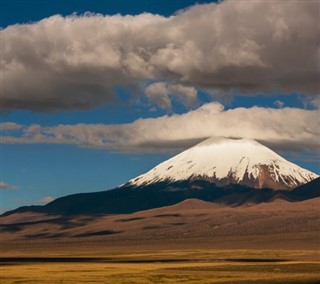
{"x": 229, "y": 161}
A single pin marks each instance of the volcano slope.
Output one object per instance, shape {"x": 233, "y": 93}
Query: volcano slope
{"x": 225, "y": 171}
{"x": 189, "y": 219}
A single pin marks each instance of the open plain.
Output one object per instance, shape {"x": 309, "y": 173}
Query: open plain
{"x": 191, "y": 242}
{"x": 146, "y": 262}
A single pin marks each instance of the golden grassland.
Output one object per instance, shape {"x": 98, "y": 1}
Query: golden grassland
{"x": 266, "y": 243}
{"x": 161, "y": 266}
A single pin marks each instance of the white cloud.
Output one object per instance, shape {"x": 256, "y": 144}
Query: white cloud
{"x": 315, "y": 102}
{"x": 46, "y": 200}
{"x": 279, "y": 104}
{"x": 75, "y": 62}
{"x": 157, "y": 93}
{"x": 287, "y": 129}
{"x": 186, "y": 95}
{"x": 4, "y": 185}
{"x": 9, "y": 126}
{"x": 163, "y": 94}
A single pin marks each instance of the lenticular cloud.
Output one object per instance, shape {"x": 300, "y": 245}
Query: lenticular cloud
{"x": 277, "y": 128}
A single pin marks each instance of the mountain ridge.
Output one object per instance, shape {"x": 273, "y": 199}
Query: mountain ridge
{"x": 128, "y": 199}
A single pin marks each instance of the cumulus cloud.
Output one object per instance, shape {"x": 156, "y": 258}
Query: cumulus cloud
{"x": 162, "y": 95}
{"x": 186, "y": 95}
{"x": 286, "y": 129}
{"x": 157, "y": 93}
{"x": 9, "y": 126}
{"x": 75, "y": 62}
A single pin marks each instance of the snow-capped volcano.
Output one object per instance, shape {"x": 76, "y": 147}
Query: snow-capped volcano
{"x": 229, "y": 161}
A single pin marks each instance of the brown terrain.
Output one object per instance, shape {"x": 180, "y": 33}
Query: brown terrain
{"x": 285, "y": 222}
{"x": 194, "y": 242}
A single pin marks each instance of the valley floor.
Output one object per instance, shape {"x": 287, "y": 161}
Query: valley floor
{"x": 166, "y": 261}
{"x": 191, "y": 242}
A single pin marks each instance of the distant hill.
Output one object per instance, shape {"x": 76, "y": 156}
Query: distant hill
{"x": 130, "y": 199}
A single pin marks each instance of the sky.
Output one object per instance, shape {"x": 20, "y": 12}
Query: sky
{"x": 94, "y": 93}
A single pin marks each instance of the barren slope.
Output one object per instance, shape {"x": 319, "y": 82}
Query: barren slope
{"x": 189, "y": 219}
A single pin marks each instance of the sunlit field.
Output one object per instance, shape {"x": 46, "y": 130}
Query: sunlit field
{"x": 164, "y": 266}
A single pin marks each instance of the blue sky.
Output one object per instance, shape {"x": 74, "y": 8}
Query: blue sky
{"x": 46, "y": 166}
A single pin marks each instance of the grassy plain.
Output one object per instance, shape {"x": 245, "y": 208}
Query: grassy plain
{"x": 191, "y": 242}
{"x": 95, "y": 263}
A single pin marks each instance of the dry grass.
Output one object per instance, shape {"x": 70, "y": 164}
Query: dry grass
{"x": 165, "y": 266}
{"x": 185, "y": 243}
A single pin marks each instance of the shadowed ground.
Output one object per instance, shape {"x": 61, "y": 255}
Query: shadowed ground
{"x": 191, "y": 218}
